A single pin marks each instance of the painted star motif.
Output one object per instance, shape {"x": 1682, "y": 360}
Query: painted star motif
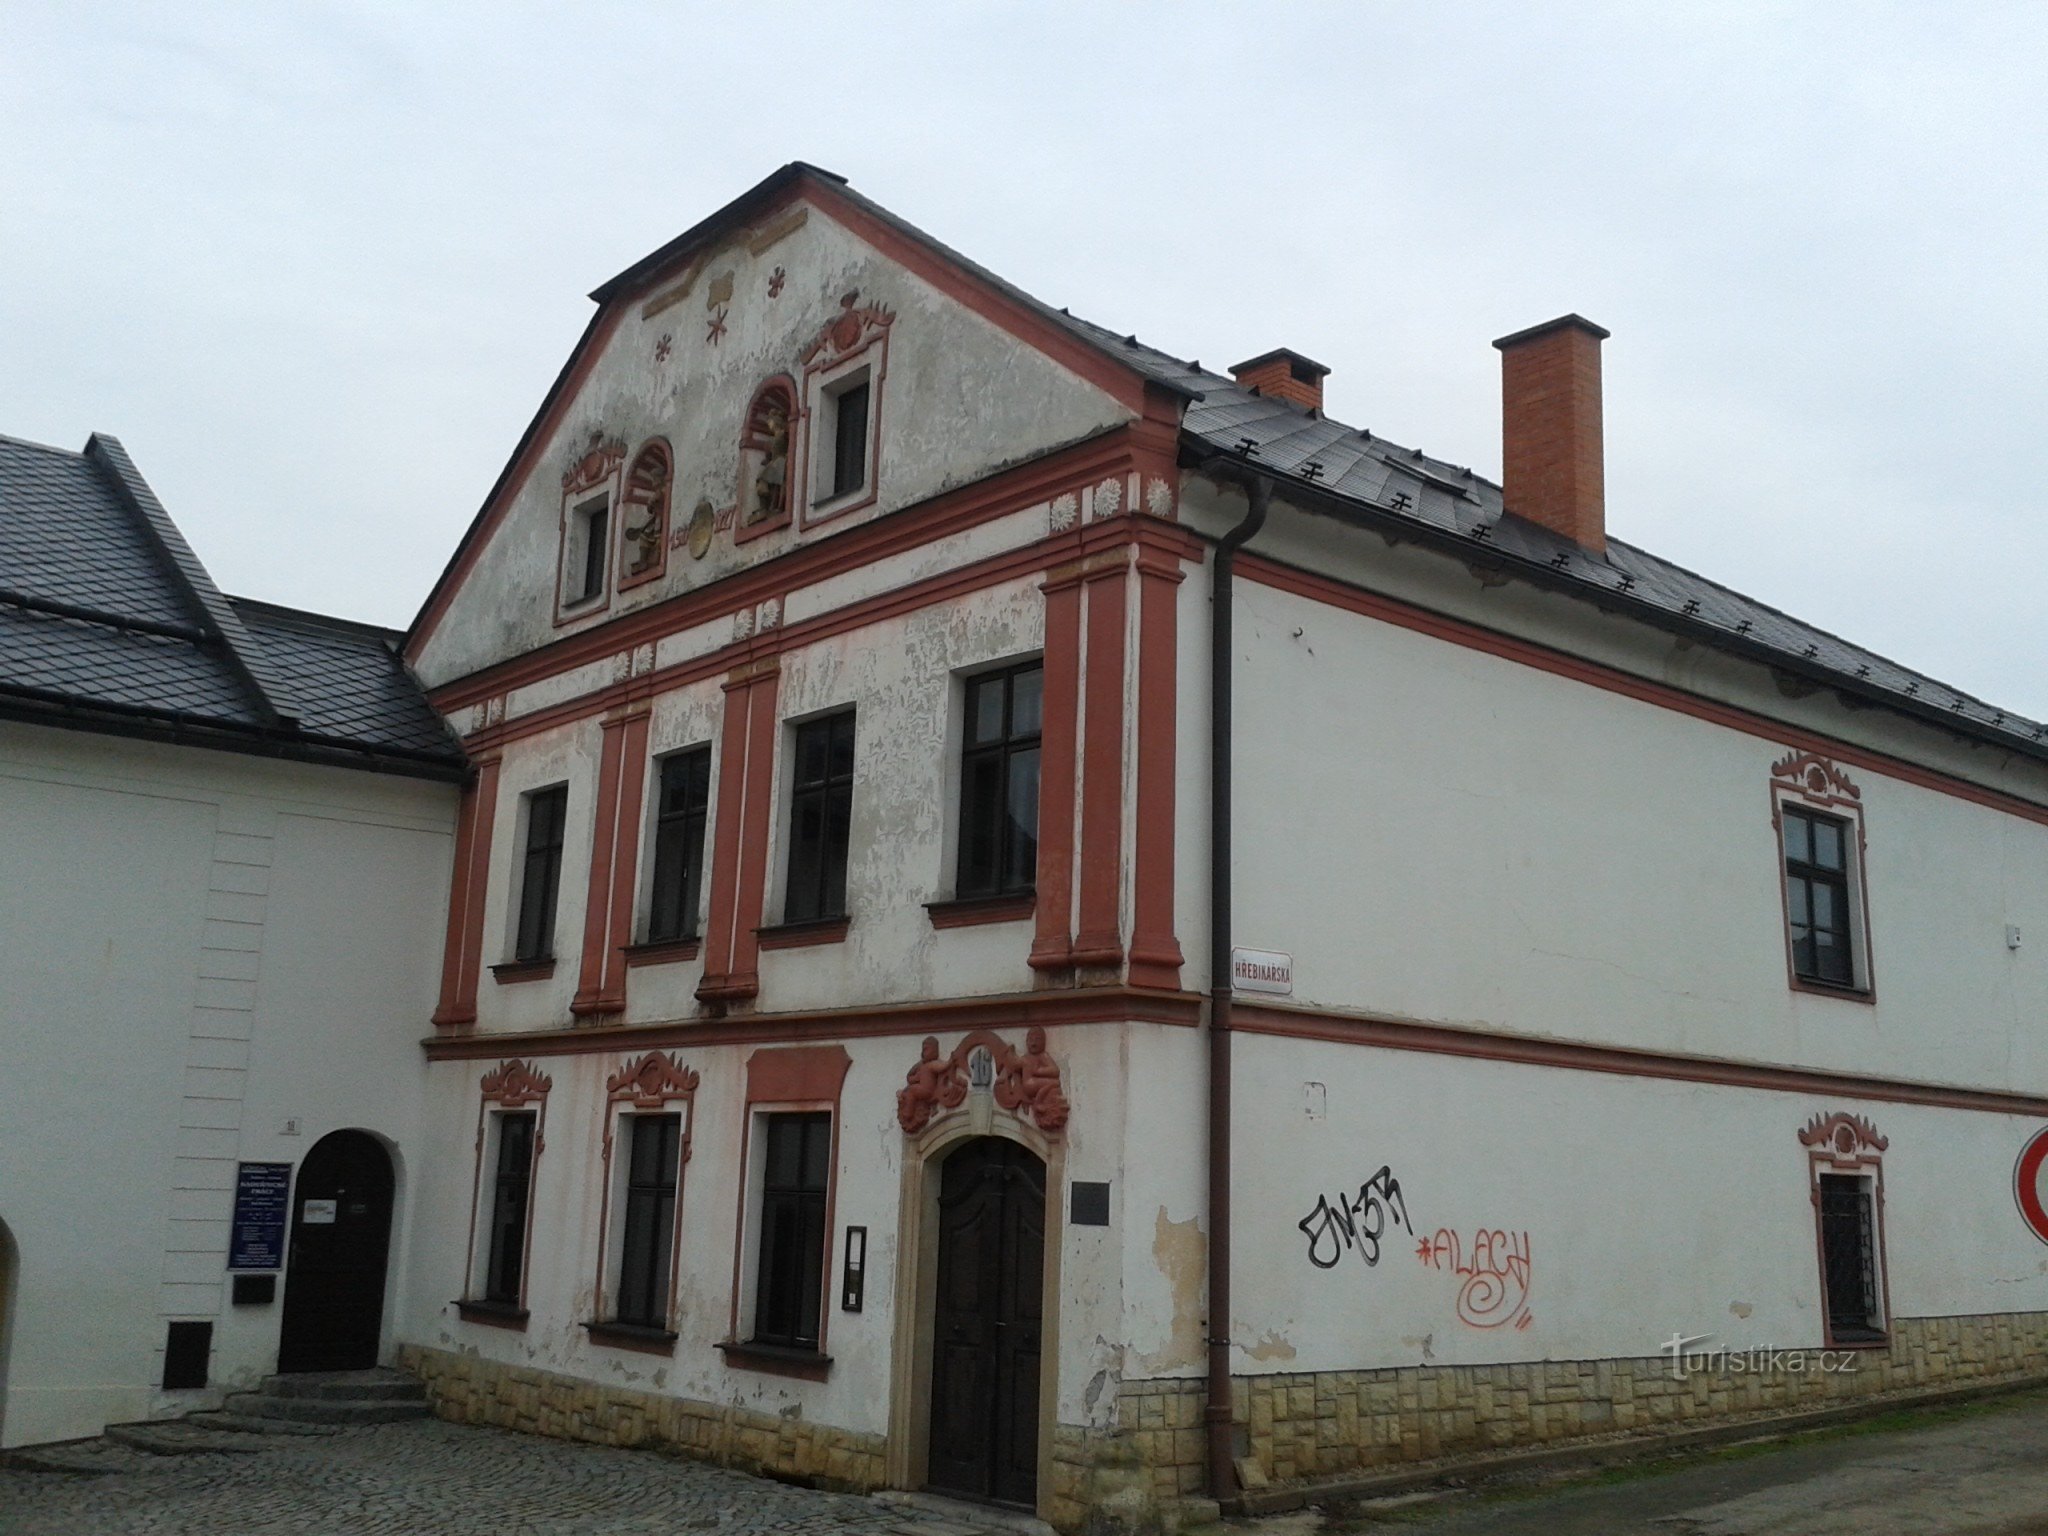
{"x": 663, "y": 347}
{"x": 775, "y": 281}
{"x": 716, "y": 333}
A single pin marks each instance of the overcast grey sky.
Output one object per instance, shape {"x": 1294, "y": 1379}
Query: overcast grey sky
{"x": 316, "y": 264}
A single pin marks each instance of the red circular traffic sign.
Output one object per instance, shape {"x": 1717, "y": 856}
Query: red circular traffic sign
{"x": 2026, "y": 1185}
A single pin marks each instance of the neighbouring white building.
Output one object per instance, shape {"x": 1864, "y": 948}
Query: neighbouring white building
{"x": 985, "y": 847}
{"x": 225, "y": 833}
{"x": 826, "y": 1076}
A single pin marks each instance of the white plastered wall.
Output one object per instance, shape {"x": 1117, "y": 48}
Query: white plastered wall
{"x": 201, "y": 945}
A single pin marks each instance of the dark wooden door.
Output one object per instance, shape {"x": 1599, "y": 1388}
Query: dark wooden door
{"x": 984, "y": 1436}
{"x": 334, "y": 1277}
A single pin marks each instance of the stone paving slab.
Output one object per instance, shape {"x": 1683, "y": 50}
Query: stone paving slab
{"x": 429, "y": 1478}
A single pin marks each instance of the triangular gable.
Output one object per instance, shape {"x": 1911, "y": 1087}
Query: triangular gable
{"x": 658, "y": 279}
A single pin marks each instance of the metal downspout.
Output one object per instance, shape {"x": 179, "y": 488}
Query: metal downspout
{"x": 1217, "y": 1412}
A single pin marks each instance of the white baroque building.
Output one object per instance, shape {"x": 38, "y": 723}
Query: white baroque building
{"x": 1038, "y": 922}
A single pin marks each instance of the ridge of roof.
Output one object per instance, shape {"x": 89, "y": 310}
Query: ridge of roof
{"x": 273, "y": 701}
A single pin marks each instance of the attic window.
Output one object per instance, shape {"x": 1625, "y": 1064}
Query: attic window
{"x": 589, "y": 540}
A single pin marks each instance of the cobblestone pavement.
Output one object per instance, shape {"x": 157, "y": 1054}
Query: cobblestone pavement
{"x": 424, "y": 1478}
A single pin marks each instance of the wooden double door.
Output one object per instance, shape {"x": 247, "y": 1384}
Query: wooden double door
{"x": 987, "y": 1323}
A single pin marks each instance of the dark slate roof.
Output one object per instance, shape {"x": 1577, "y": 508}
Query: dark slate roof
{"x": 1401, "y": 490}
{"x": 108, "y": 621}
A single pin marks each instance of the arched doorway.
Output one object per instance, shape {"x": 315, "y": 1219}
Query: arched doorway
{"x": 341, "y": 1235}
{"x": 986, "y": 1323}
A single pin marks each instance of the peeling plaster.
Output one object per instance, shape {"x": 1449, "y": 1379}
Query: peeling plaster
{"x": 1183, "y": 1255}
{"x": 1271, "y": 1347}
{"x": 1740, "y": 1308}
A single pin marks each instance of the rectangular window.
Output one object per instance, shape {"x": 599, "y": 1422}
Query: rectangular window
{"x": 788, "y": 1287}
{"x": 654, "y": 1144}
{"x": 541, "y": 873}
{"x": 999, "y": 782}
{"x": 820, "y": 819}
{"x": 1817, "y": 896}
{"x": 684, "y": 799}
{"x": 1848, "y": 1241}
{"x": 511, "y": 1184}
{"x": 593, "y": 529}
{"x": 850, "y": 439}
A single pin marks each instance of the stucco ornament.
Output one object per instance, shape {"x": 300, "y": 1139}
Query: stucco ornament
{"x": 1843, "y": 1134}
{"x": 514, "y": 1083}
{"x": 765, "y": 453}
{"x": 652, "y": 1081}
{"x": 1066, "y": 511}
{"x": 1109, "y": 496}
{"x": 846, "y": 330}
{"x": 1026, "y": 1082}
{"x": 1815, "y": 774}
{"x": 703, "y": 523}
{"x": 1158, "y": 497}
{"x": 600, "y": 456}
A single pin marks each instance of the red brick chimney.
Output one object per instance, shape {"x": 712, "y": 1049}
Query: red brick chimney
{"x": 1283, "y": 375}
{"x": 1552, "y": 463}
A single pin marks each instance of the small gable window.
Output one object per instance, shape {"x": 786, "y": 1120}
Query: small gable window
{"x": 589, "y": 538}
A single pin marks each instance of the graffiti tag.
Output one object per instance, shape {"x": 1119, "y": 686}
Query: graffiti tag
{"x": 1493, "y": 1267}
{"x": 1354, "y": 1223}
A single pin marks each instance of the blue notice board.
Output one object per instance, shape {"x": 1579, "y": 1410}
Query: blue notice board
{"x": 262, "y": 1206}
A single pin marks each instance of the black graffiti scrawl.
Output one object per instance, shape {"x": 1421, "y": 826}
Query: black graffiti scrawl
{"x": 1355, "y": 1222}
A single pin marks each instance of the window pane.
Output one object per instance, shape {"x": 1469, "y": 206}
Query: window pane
{"x": 595, "y": 536}
{"x": 785, "y": 1151}
{"x": 1823, "y": 904}
{"x": 1798, "y": 838}
{"x": 1800, "y": 908}
{"x": 838, "y": 834}
{"x": 665, "y": 917}
{"x": 841, "y": 766}
{"x": 1803, "y": 962}
{"x": 1022, "y": 854}
{"x": 1026, "y": 693}
{"x": 1827, "y": 844}
{"x": 811, "y": 752}
{"x": 984, "y": 711}
{"x": 850, "y": 440}
{"x": 981, "y": 787}
{"x": 817, "y": 1152}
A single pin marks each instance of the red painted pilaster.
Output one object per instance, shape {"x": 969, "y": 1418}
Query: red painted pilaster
{"x": 462, "y": 953}
{"x": 597, "y": 904}
{"x": 1052, "y": 945}
{"x": 1098, "y": 940}
{"x": 1155, "y": 950}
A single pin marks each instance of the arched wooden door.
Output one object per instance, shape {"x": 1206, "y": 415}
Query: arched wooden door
{"x": 334, "y": 1277}
{"x": 986, "y": 1323}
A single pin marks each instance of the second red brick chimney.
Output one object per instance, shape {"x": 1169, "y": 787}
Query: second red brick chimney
{"x": 1553, "y": 469}
{"x": 1283, "y": 375}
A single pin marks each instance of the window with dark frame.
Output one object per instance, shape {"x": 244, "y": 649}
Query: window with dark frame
{"x": 654, "y": 1146}
{"x": 594, "y": 523}
{"x": 850, "y": 439}
{"x": 789, "y": 1282}
{"x": 680, "y": 810}
{"x": 541, "y": 873}
{"x": 511, "y": 1186}
{"x": 999, "y": 744}
{"x": 1817, "y": 896}
{"x": 1848, "y": 1243}
{"x": 820, "y": 819}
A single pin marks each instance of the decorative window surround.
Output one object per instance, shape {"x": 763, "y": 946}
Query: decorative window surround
{"x": 783, "y": 1080}
{"x": 510, "y": 1086}
{"x": 592, "y": 480}
{"x": 850, "y": 349}
{"x": 655, "y": 1083}
{"x": 1842, "y": 1145}
{"x": 1810, "y": 782}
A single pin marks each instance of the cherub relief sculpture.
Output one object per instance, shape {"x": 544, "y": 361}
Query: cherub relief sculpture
{"x": 1027, "y": 1083}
